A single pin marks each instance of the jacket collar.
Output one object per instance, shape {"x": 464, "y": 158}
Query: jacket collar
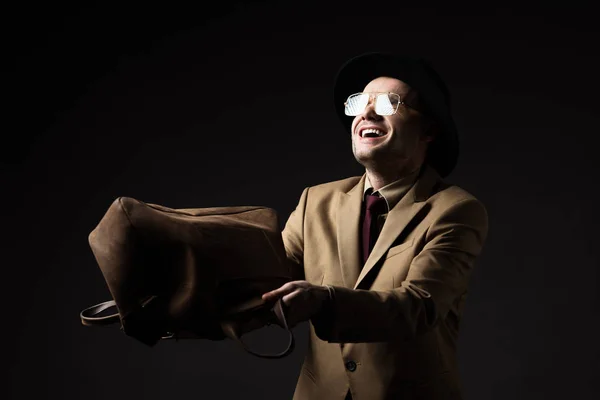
{"x": 349, "y": 230}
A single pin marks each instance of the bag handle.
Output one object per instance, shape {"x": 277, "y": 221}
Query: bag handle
{"x": 89, "y": 315}
{"x": 231, "y": 330}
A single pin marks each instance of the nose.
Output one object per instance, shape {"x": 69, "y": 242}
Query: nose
{"x": 369, "y": 113}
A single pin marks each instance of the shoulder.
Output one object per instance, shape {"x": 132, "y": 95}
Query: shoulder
{"x": 324, "y": 197}
{"x": 448, "y": 194}
{"x": 330, "y": 188}
{"x": 451, "y": 202}
{"x": 439, "y": 193}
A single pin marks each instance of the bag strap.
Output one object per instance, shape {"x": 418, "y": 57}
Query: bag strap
{"x": 89, "y": 315}
{"x": 230, "y": 329}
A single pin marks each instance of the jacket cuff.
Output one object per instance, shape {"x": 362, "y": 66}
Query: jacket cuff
{"x": 323, "y": 320}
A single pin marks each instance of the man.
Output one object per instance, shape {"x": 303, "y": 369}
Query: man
{"x": 383, "y": 260}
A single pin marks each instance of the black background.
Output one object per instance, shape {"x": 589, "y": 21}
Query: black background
{"x": 231, "y": 104}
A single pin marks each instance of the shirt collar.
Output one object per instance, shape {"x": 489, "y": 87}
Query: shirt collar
{"x": 393, "y": 192}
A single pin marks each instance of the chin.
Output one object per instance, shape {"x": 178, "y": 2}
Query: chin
{"x": 367, "y": 158}
{"x": 381, "y": 157}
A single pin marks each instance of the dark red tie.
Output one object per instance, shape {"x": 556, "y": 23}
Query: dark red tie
{"x": 374, "y": 206}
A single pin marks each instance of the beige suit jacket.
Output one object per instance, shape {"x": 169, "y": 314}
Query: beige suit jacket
{"x": 391, "y": 329}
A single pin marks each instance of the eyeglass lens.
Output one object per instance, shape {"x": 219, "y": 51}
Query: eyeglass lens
{"x": 384, "y": 104}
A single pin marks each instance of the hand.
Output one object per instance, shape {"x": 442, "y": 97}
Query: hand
{"x": 301, "y": 300}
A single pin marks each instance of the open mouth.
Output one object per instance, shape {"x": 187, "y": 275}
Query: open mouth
{"x": 371, "y": 133}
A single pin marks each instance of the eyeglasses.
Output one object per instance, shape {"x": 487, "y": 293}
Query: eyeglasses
{"x": 386, "y": 103}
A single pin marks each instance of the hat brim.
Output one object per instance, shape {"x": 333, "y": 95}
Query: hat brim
{"x": 419, "y": 75}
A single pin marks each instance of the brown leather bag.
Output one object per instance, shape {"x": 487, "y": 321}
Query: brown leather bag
{"x": 189, "y": 273}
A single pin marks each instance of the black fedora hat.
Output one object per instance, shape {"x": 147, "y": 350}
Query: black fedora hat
{"x": 419, "y": 75}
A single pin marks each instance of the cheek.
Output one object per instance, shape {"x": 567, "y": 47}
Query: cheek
{"x": 407, "y": 127}
{"x": 354, "y": 123}
{"x": 406, "y": 135}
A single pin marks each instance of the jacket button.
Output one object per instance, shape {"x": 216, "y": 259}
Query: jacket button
{"x": 351, "y": 366}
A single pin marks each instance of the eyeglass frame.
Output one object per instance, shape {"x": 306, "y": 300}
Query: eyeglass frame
{"x": 400, "y": 102}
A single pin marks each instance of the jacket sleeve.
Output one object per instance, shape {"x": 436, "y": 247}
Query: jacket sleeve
{"x": 437, "y": 277}
{"x": 293, "y": 238}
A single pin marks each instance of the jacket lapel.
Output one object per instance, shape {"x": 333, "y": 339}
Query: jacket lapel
{"x": 348, "y": 232}
{"x": 397, "y": 219}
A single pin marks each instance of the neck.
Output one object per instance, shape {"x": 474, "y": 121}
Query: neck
{"x": 381, "y": 178}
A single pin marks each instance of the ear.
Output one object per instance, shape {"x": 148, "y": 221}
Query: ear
{"x": 430, "y": 131}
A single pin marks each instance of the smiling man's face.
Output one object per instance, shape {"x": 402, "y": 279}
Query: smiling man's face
{"x": 400, "y": 141}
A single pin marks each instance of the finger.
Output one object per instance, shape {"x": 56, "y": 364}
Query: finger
{"x": 275, "y": 293}
{"x": 289, "y": 298}
{"x": 282, "y": 291}
{"x": 270, "y": 296}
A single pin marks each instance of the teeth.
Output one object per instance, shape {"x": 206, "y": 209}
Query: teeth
{"x": 371, "y": 130}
